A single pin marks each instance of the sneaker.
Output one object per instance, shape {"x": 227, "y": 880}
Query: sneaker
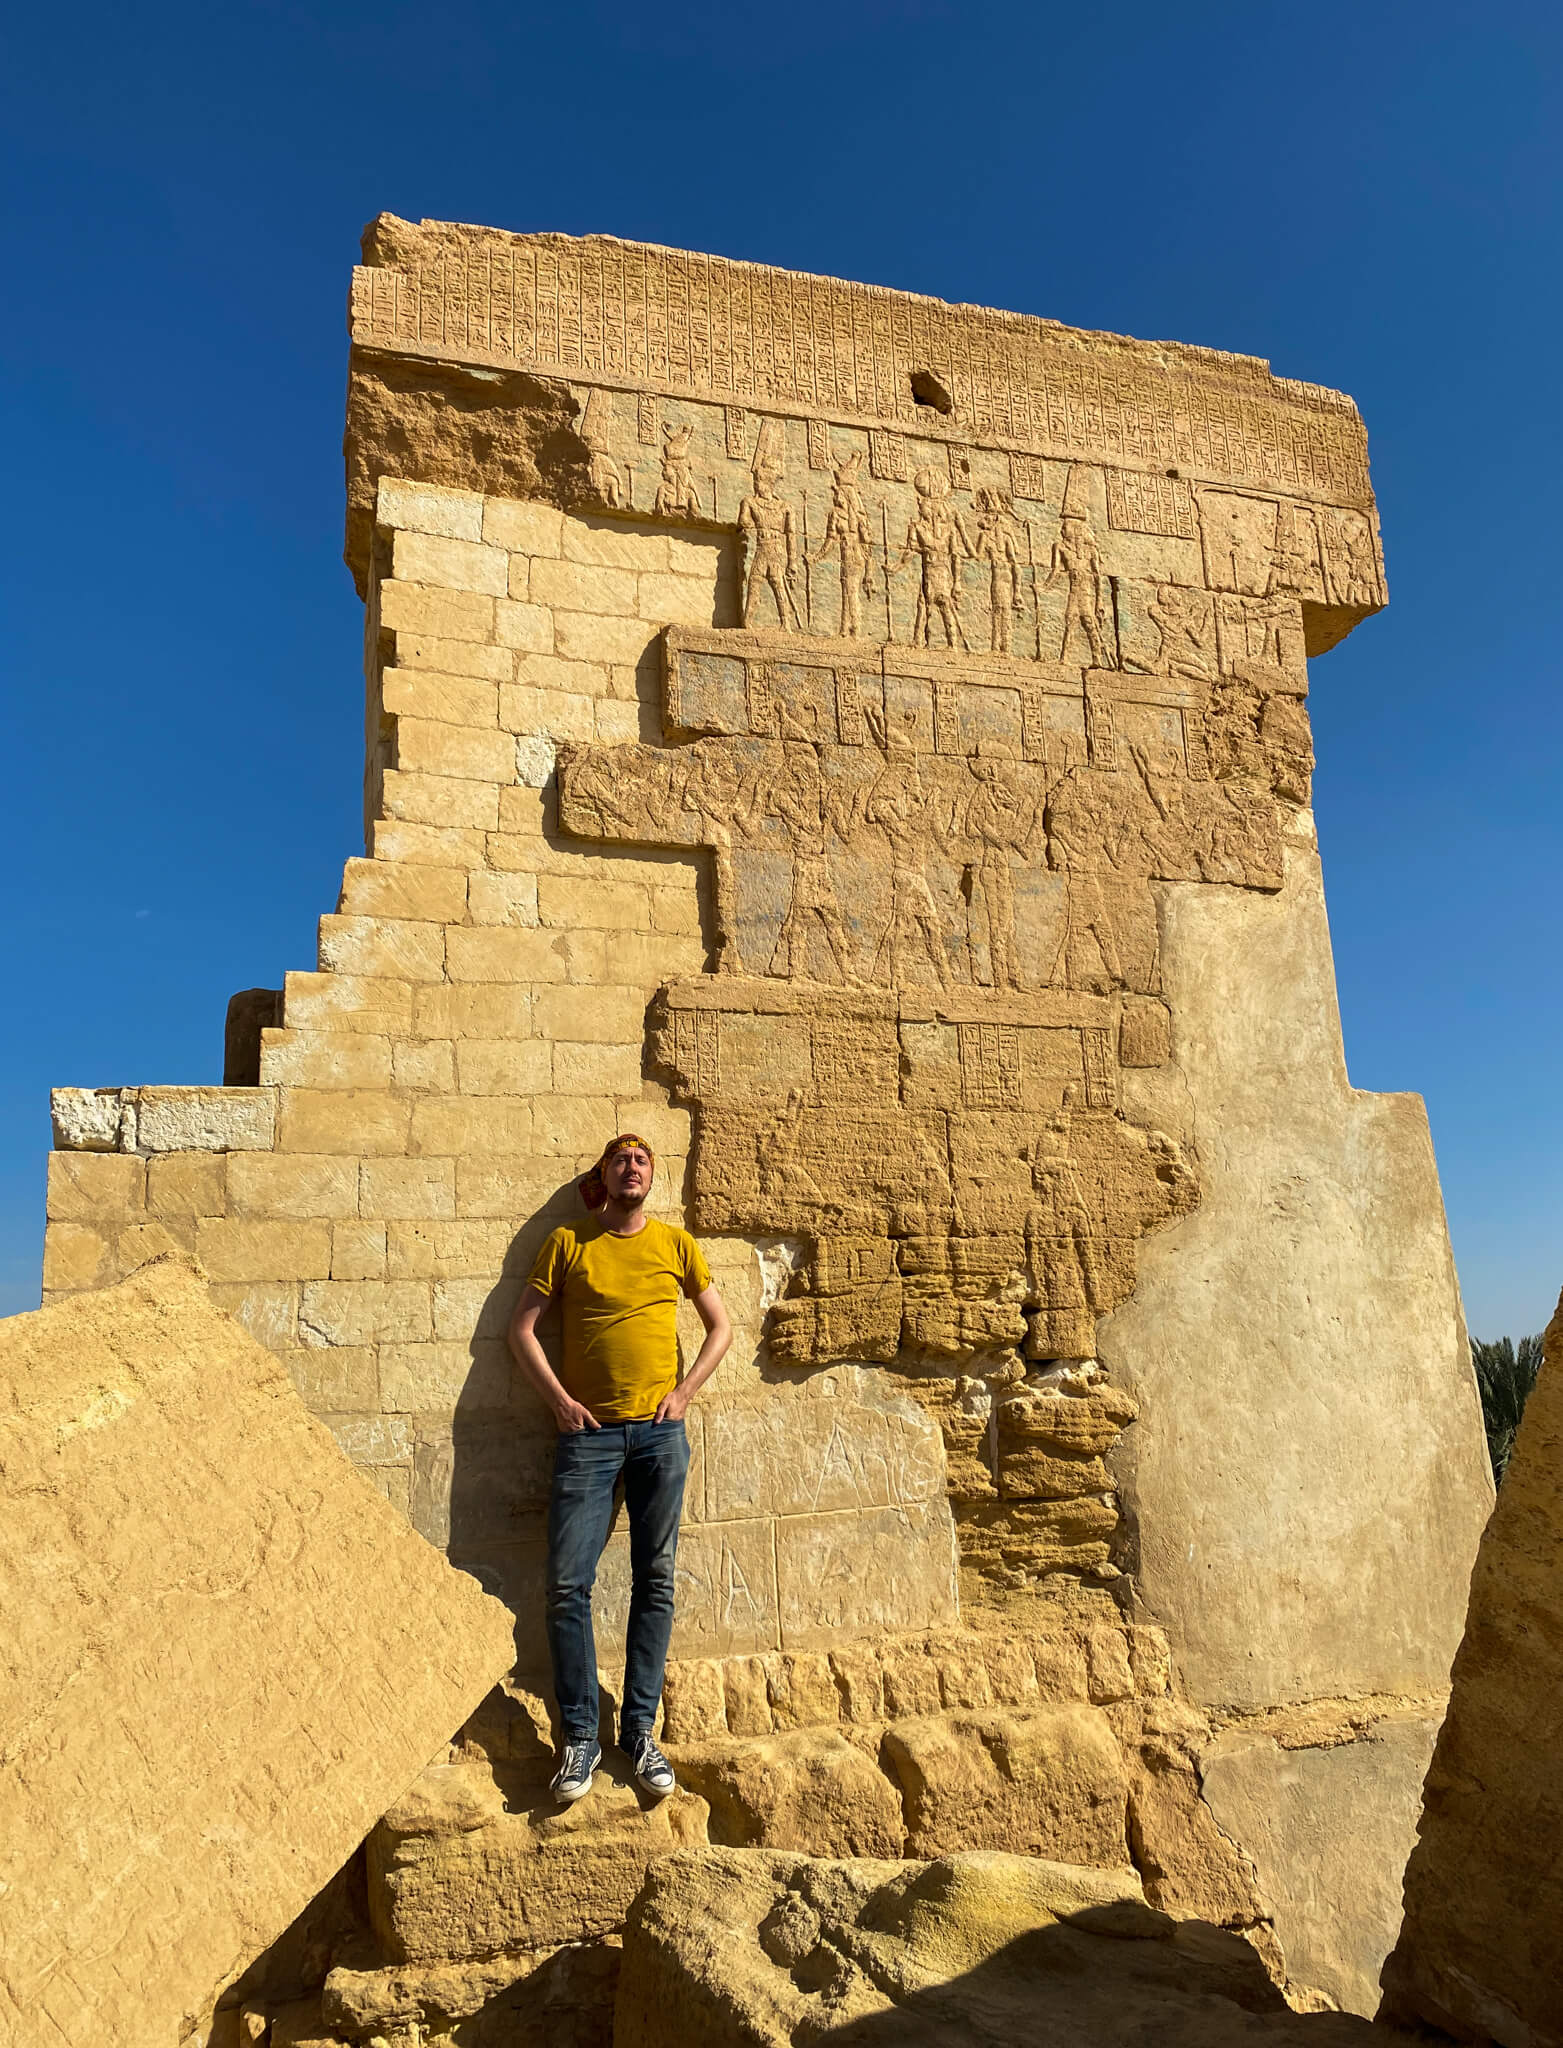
{"x": 653, "y": 1772}
{"x": 577, "y": 1760}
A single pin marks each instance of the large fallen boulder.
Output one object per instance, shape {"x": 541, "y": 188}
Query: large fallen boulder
{"x": 755, "y": 1949}
{"x": 224, "y": 1656}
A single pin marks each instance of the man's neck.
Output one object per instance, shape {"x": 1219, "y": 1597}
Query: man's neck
{"x": 624, "y": 1218}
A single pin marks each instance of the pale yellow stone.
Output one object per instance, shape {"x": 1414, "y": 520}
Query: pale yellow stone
{"x": 516, "y": 1187}
{"x": 504, "y": 1066}
{"x": 461, "y": 1126}
{"x": 292, "y": 1186}
{"x": 325, "y": 1059}
{"x": 434, "y": 846}
{"x": 358, "y": 1251}
{"x": 522, "y": 811}
{"x": 554, "y": 673}
{"x": 429, "y": 508}
{"x": 455, "y": 657}
{"x": 526, "y": 529}
{"x": 496, "y": 953}
{"x": 664, "y": 1128}
{"x": 617, "y": 723}
{"x": 74, "y": 1257}
{"x": 529, "y": 628}
{"x": 252, "y": 1248}
{"x": 205, "y": 1119}
{"x": 209, "y": 1528}
{"x": 585, "y": 587}
{"x": 138, "y": 1242}
{"x": 675, "y": 600}
{"x": 439, "y": 800}
{"x": 463, "y": 565}
{"x": 436, "y": 1250}
{"x": 608, "y": 906}
{"x": 87, "y": 1187}
{"x": 400, "y": 1188}
{"x": 431, "y": 1378}
{"x": 363, "y": 1311}
{"x": 502, "y": 898}
{"x": 398, "y": 889}
{"x": 333, "y": 1378}
{"x": 675, "y": 910}
{"x": 450, "y": 700}
{"x": 468, "y": 753}
{"x": 190, "y": 1183}
{"x": 437, "y": 614}
{"x": 346, "y": 1120}
{"x": 423, "y": 1063}
{"x": 476, "y": 1010}
{"x": 702, "y": 555}
{"x": 347, "y": 1002}
{"x": 525, "y": 708}
{"x": 601, "y": 1016}
{"x": 613, "y": 547}
{"x": 266, "y": 1309}
{"x": 584, "y": 636}
{"x": 653, "y": 957}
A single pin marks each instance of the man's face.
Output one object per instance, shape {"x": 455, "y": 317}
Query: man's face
{"x": 627, "y": 1176}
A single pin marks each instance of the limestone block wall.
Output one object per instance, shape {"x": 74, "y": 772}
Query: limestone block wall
{"x": 475, "y": 1028}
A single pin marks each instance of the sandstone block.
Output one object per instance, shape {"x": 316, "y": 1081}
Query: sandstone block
{"x": 674, "y": 600}
{"x": 433, "y": 846}
{"x": 266, "y": 1309}
{"x": 860, "y": 1684}
{"x": 324, "y": 1059}
{"x": 613, "y": 547}
{"x": 1045, "y": 1783}
{"x": 516, "y": 1066}
{"x": 205, "y": 1119}
{"x": 436, "y": 614}
{"x": 597, "y": 1069}
{"x": 430, "y": 1378}
{"x": 462, "y": 1125}
{"x": 522, "y": 1880}
{"x": 86, "y": 1119}
{"x": 189, "y": 1183}
{"x": 448, "y": 700}
{"x": 455, "y": 657}
{"x": 528, "y": 628}
{"x": 86, "y": 1187}
{"x": 443, "y": 800}
{"x": 524, "y": 811}
{"x": 395, "y": 1188}
{"x": 465, "y": 565}
{"x": 424, "y": 1063}
{"x": 397, "y": 948}
{"x": 347, "y": 1002}
{"x": 489, "y": 954}
{"x": 693, "y": 1701}
{"x": 429, "y": 508}
{"x": 889, "y": 1568}
{"x": 364, "y": 1312}
{"x": 248, "y": 1248}
{"x": 371, "y": 1439}
{"x": 74, "y": 1257}
{"x": 746, "y": 1695}
{"x": 526, "y": 529}
{"x": 292, "y": 1185}
{"x": 588, "y": 636}
{"x": 548, "y": 713}
{"x": 345, "y": 1120}
{"x": 610, "y": 906}
{"x": 502, "y": 899}
{"x": 467, "y": 752}
{"x": 437, "y": 1250}
{"x": 400, "y": 890}
{"x": 200, "y": 1493}
{"x": 615, "y": 724}
{"x": 601, "y": 1016}
{"x": 584, "y": 587}
{"x": 810, "y": 1790}
{"x": 358, "y": 1251}
{"x": 478, "y": 1009}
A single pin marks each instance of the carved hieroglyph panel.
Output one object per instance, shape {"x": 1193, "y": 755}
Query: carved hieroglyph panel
{"x": 934, "y": 943}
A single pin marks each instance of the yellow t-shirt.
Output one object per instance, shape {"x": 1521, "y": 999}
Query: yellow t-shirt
{"x": 620, "y": 1311}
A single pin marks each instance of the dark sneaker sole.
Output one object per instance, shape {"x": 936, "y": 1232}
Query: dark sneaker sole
{"x": 657, "y": 1791}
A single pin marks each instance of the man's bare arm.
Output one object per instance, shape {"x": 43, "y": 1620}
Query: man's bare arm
{"x": 719, "y": 1334}
{"x": 529, "y": 1355}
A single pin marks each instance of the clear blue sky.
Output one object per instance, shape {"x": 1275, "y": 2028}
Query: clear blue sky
{"x": 1366, "y": 194}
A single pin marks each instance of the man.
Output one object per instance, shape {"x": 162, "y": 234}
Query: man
{"x": 620, "y": 1407}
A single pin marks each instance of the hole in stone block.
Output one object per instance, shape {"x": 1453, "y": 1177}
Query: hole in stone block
{"x": 927, "y": 389}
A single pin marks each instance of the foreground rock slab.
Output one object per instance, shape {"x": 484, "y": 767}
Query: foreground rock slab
{"x": 749, "y": 1949}
{"x": 224, "y": 1656}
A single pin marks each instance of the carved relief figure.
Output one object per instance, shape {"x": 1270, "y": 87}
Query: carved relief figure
{"x": 1080, "y": 826}
{"x": 997, "y": 538}
{"x": 1186, "y": 623}
{"x": 1067, "y": 1248}
{"x": 797, "y": 800}
{"x": 938, "y": 537}
{"x": 1078, "y": 559}
{"x": 914, "y": 937}
{"x": 595, "y": 430}
{"x": 727, "y": 801}
{"x": 677, "y": 497}
{"x": 770, "y": 529}
{"x": 848, "y": 531}
{"x": 1001, "y": 817}
{"x": 1353, "y": 560}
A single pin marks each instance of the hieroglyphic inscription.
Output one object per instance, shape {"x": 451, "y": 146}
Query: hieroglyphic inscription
{"x": 693, "y": 325}
{"x": 1139, "y": 503}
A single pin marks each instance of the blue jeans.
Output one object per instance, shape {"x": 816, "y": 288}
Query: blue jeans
{"x": 652, "y": 1458}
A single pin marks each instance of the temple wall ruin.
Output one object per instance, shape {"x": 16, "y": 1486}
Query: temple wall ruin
{"x": 861, "y": 745}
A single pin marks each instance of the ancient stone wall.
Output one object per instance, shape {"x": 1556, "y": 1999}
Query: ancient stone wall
{"x": 862, "y": 745}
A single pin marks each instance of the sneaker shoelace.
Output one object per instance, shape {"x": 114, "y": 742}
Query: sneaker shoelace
{"x": 577, "y": 1759}
{"x": 649, "y": 1760}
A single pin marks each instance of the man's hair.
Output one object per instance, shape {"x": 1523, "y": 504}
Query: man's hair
{"x": 593, "y": 1188}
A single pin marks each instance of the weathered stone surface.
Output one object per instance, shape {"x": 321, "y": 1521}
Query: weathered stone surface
{"x": 538, "y": 1998}
{"x": 1328, "y": 1831}
{"x": 810, "y": 1790}
{"x": 1481, "y": 1950}
{"x": 1046, "y": 1783}
{"x": 454, "y": 1875}
{"x": 224, "y": 1655}
{"x": 729, "y": 1949}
